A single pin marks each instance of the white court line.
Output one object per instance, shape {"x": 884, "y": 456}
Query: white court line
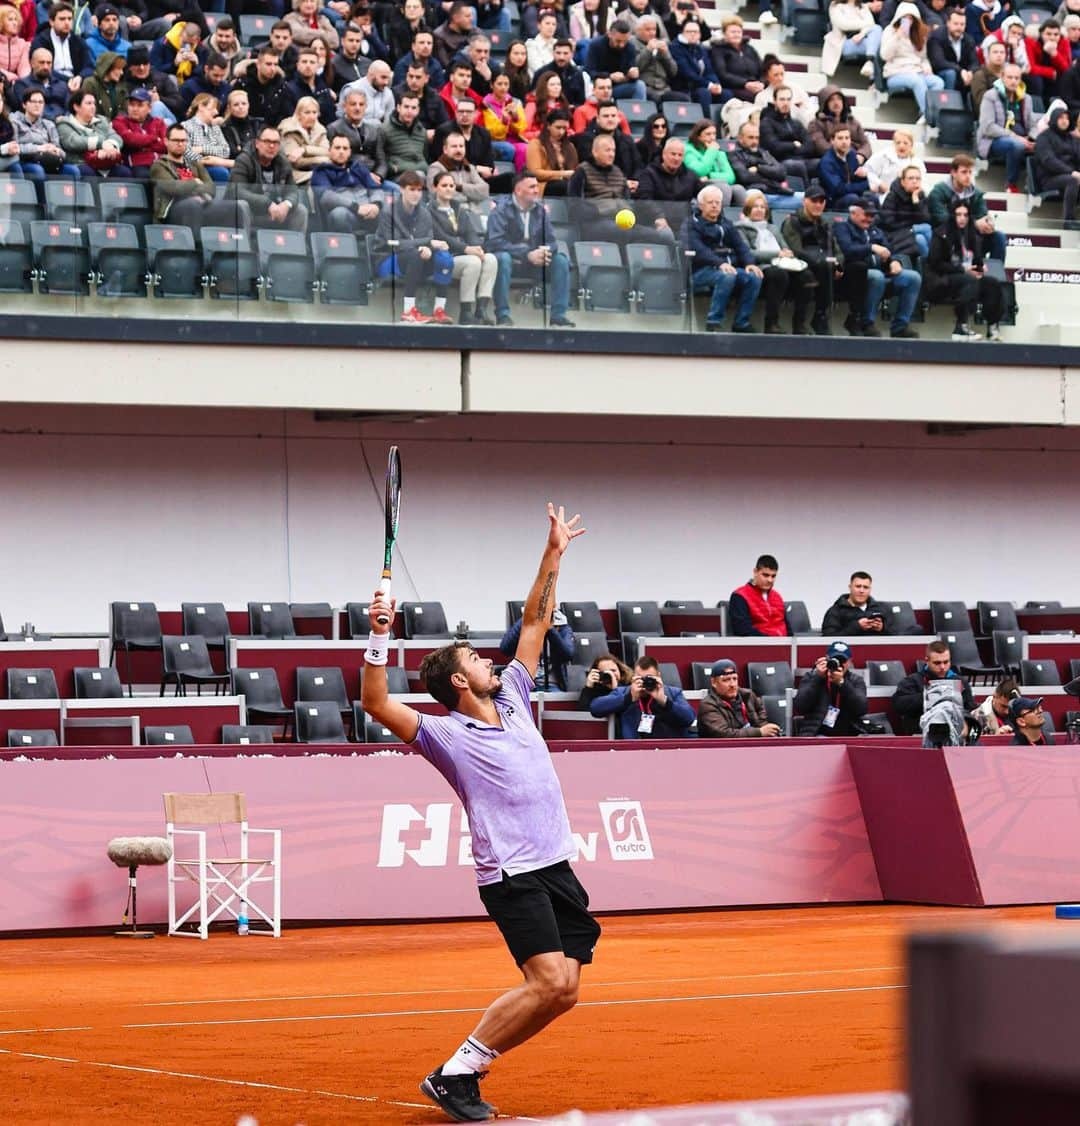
{"x": 227, "y": 1082}
{"x": 69, "y": 1028}
{"x": 448, "y": 1012}
{"x": 499, "y": 988}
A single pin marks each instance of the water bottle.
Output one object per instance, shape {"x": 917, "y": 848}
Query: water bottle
{"x": 242, "y": 920}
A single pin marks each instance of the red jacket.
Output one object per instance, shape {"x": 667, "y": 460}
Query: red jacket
{"x": 1049, "y": 66}
{"x": 448, "y": 100}
{"x": 144, "y": 142}
{"x": 768, "y": 619}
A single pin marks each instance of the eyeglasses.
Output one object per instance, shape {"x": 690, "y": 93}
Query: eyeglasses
{"x": 267, "y": 141}
{"x": 659, "y": 127}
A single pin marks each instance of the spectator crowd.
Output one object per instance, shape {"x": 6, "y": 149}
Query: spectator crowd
{"x": 350, "y": 114}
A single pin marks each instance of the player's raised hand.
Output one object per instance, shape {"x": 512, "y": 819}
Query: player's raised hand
{"x": 562, "y": 531}
{"x": 382, "y": 606}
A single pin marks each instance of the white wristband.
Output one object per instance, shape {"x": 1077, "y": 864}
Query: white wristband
{"x": 377, "y": 648}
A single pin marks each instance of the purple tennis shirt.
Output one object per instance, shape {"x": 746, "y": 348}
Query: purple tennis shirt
{"x": 505, "y": 780}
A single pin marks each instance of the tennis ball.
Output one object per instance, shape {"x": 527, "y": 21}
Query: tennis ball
{"x": 624, "y": 219}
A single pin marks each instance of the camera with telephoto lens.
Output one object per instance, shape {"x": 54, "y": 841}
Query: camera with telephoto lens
{"x": 649, "y": 683}
{"x": 605, "y": 678}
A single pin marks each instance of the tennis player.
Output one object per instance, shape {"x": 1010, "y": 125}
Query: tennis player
{"x": 489, "y": 750}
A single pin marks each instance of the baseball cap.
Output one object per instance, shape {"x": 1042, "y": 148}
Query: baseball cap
{"x": 1020, "y": 704}
{"x": 140, "y": 94}
{"x": 815, "y": 191}
{"x": 840, "y": 650}
{"x": 868, "y": 203}
{"x": 722, "y": 666}
{"x": 103, "y": 10}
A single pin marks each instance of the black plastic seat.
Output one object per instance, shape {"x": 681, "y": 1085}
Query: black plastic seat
{"x": 19, "y": 202}
{"x": 949, "y": 617}
{"x": 777, "y": 711}
{"x": 425, "y": 619}
{"x": 369, "y": 729}
{"x": 319, "y": 721}
{"x": 996, "y": 616}
{"x": 885, "y": 674}
{"x": 1009, "y": 649}
{"x": 605, "y": 281}
{"x": 637, "y": 112}
{"x": 669, "y": 673}
{"x": 262, "y": 696}
{"x": 97, "y": 684}
{"x": 641, "y": 618}
{"x": 1039, "y": 674}
{"x": 657, "y": 282}
{"x": 177, "y": 735}
{"x": 769, "y": 678}
{"x": 966, "y": 658}
{"x": 16, "y": 258}
{"x": 117, "y": 260}
{"x": 515, "y": 609}
{"x": 207, "y": 620}
{"x": 683, "y": 116}
{"x": 69, "y": 201}
{"x": 798, "y": 618}
{"x": 311, "y": 611}
{"x": 902, "y": 619}
{"x": 323, "y": 684}
{"x": 342, "y": 268}
{"x": 134, "y": 626}
{"x": 684, "y": 604}
{"x": 270, "y": 619}
{"x": 125, "y": 201}
{"x": 701, "y": 675}
{"x": 232, "y": 267}
{"x": 175, "y": 266}
{"x": 589, "y": 646}
{"x": 244, "y": 733}
{"x": 21, "y": 737}
{"x": 61, "y": 258}
{"x": 288, "y": 270}
{"x": 186, "y": 660}
{"x": 584, "y": 617}
{"x": 255, "y": 29}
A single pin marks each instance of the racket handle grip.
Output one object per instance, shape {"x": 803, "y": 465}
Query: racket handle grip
{"x": 384, "y": 588}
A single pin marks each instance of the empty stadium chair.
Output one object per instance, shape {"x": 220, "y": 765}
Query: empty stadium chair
{"x": 1042, "y": 605}
{"x": 97, "y": 684}
{"x": 342, "y": 268}
{"x": 584, "y": 617}
{"x": 684, "y": 604}
{"x": 425, "y": 619}
{"x": 808, "y": 21}
{"x": 61, "y": 258}
{"x": 69, "y": 201}
{"x": 186, "y": 660}
{"x": 575, "y": 677}
{"x": 669, "y": 673}
{"x": 641, "y": 618}
{"x": 319, "y": 721}
{"x": 288, "y": 271}
{"x": 134, "y": 627}
{"x": 657, "y": 280}
{"x": 323, "y": 684}
{"x": 949, "y": 617}
{"x": 769, "y": 678}
{"x": 178, "y": 735}
{"x": 125, "y": 201}
{"x": 369, "y": 730}
{"x": 32, "y": 738}
{"x": 232, "y": 267}
{"x": 798, "y": 618}
{"x": 902, "y": 619}
{"x": 605, "y": 283}
{"x": 244, "y": 733}
{"x": 996, "y": 616}
{"x": 966, "y": 659}
{"x": 682, "y": 116}
{"x": 1039, "y": 674}
{"x": 254, "y": 30}
{"x": 637, "y": 112}
{"x": 117, "y": 261}
{"x": 16, "y": 258}
{"x": 701, "y": 675}
{"x": 176, "y": 268}
{"x": 777, "y": 711}
{"x": 397, "y": 681}
{"x": 207, "y": 620}
{"x": 881, "y": 674}
{"x": 589, "y": 646}
{"x": 270, "y": 619}
{"x": 262, "y": 695}
{"x": 1008, "y": 649}
{"x": 955, "y": 121}
{"x": 311, "y": 612}
{"x": 1074, "y": 668}
{"x": 19, "y": 202}
{"x": 515, "y": 609}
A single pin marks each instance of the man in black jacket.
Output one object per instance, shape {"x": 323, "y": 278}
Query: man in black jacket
{"x": 831, "y": 699}
{"x": 785, "y": 137}
{"x": 264, "y": 84}
{"x": 811, "y": 238}
{"x": 908, "y": 697}
{"x": 667, "y": 181}
{"x": 263, "y": 178}
{"x": 606, "y": 124}
{"x": 856, "y": 612}
{"x": 952, "y": 52}
{"x": 755, "y": 168}
{"x": 308, "y": 82}
{"x": 573, "y": 77}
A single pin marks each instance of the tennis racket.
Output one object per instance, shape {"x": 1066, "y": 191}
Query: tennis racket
{"x": 392, "y": 506}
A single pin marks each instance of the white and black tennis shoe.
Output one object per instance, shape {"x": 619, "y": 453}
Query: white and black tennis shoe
{"x": 458, "y": 1095}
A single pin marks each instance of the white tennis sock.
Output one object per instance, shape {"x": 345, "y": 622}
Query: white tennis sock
{"x": 471, "y": 1056}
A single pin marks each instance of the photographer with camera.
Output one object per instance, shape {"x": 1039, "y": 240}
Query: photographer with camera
{"x": 831, "y": 699}
{"x": 731, "y": 712}
{"x": 605, "y": 674}
{"x": 855, "y": 612}
{"x": 646, "y": 708}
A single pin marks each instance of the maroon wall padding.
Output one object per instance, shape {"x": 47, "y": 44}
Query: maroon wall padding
{"x": 913, "y": 821}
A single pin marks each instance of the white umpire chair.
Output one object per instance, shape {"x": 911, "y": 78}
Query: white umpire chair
{"x": 224, "y": 884}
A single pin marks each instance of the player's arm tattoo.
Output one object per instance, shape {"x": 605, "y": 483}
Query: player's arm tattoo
{"x": 542, "y": 612}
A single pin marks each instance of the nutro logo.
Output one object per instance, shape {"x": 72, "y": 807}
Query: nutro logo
{"x": 625, "y": 829}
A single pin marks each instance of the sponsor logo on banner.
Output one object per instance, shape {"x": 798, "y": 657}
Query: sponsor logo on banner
{"x": 625, "y": 829}
{"x": 422, "y": 837}
{"x": 1044, "y": 277}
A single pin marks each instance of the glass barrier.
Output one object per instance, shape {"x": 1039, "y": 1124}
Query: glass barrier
{"x": 136, "y": 248}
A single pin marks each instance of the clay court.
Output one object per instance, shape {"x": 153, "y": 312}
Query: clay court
{"x": 338, "y": 1025}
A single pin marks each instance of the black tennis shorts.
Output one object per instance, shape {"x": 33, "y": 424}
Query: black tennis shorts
{"x": 543, "y": 912}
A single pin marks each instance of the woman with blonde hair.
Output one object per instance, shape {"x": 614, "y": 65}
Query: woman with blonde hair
{"x": 304, "y": 141}
{"x": 14, "y": 50}
{"x": 237, "y": 125}
{"x": 206, "y": 141}
{"x": 906, "y": 66}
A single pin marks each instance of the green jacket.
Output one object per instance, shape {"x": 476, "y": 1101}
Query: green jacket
{"x": 709, "y": 164}
{"x": 942, "y": 194}
{"x": 111, "y": 96}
